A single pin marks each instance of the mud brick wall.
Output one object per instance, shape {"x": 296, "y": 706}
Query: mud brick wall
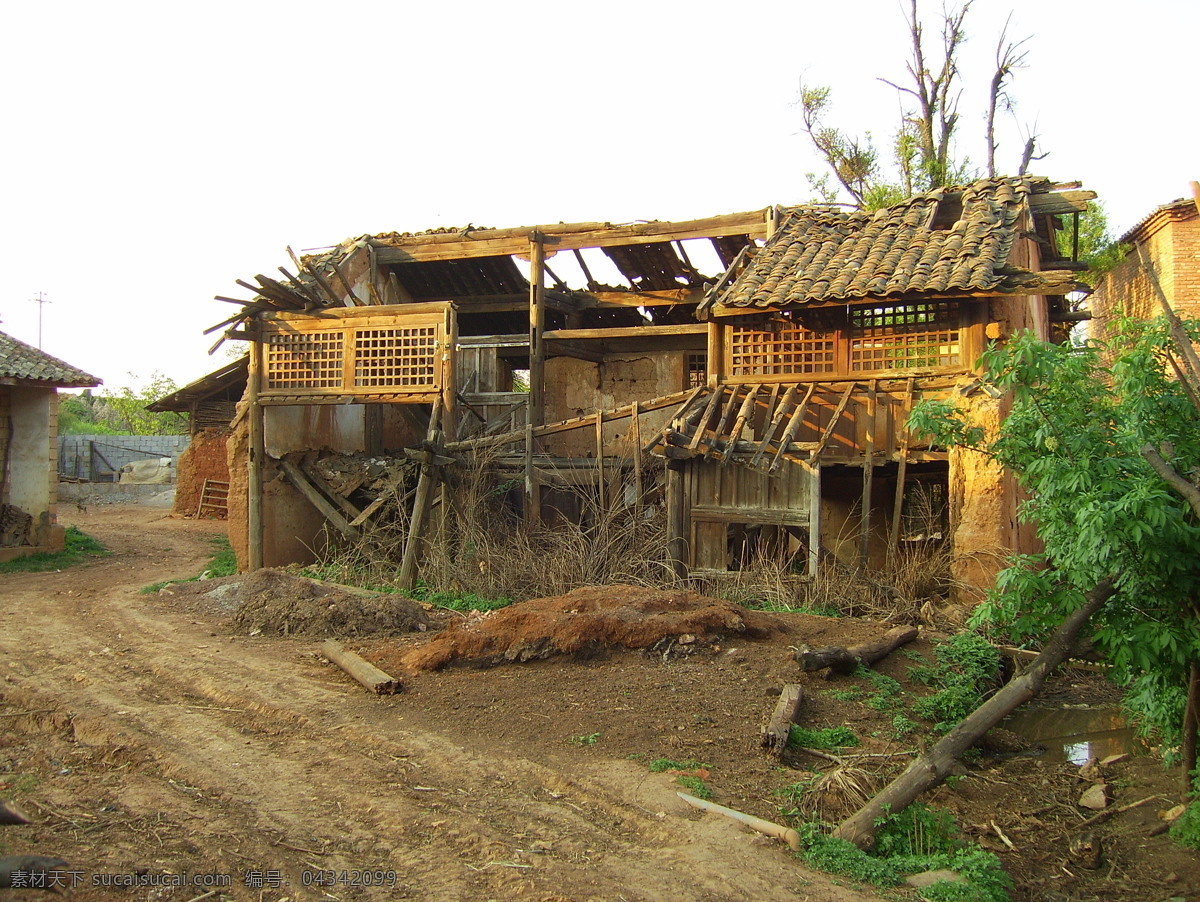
{"x": 1171, "y": 239}
{"x": 207, "y": 457}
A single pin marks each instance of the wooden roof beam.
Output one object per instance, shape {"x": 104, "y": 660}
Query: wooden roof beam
{"x": 566, "y": 236}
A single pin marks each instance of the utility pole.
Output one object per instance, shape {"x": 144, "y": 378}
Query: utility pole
{"x": 41, "y": 300}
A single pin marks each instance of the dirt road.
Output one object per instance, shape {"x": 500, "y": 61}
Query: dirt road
{"x": 149, "y": 741}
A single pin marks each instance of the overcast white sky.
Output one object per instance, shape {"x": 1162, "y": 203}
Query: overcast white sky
{"x": 155, "y": 152}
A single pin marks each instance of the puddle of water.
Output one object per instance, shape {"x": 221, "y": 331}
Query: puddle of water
{"x": 1075, "y": 734}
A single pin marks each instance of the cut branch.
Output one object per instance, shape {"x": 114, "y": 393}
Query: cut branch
{"x": 779, "y": 729}
{"x": 847, "y": 660}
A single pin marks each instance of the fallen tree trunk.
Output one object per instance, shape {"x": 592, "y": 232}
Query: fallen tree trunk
{"x": 366, "y": 673}
{"x": 847, "y": 660}
{"x": 932, "y": 768}
{"x": 778, "y": 730}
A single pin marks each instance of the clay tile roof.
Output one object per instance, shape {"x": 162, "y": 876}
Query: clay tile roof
{"x": 946, "y": 241}
{"x": 23, "y": 363}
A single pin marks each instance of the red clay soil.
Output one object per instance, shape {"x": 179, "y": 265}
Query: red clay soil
{"x": 589, "y": 621}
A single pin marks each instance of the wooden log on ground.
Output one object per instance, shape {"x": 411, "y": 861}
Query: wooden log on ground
{"x": 847, "y": 660}
{"x": 364, "y": 672}
{"x": 767, "y": 828}
{"x": 775, "y": 736}
{"x": 933, "y": 767}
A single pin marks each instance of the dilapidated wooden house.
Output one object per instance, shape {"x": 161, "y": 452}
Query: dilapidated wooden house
{"x": 769, "y": 357}
{"x": 29, "y": 383}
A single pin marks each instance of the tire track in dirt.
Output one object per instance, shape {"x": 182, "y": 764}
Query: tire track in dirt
{"x": 278, "y": 761}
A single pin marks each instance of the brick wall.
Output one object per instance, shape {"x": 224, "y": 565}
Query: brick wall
{"x": 1171, "y": 239}
{"x": 205, "y": 458}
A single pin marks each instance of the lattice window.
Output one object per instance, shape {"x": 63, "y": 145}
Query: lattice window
{"x": 405, "y": 357}
{"x": 304, "y": 360}
{"x": 905, "y": 336}
{"x": 779, "y": 347}
{"x": 697, "y": 370}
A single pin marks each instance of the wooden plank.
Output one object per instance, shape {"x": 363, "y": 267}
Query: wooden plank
{"x": 676, "y": 521}
{"x": 747, "y": 409}
{"x": 254, "y": 501}
{"x": 776, "y": 421}
{"x": 901, "y": 469}
{"x": 574, "y": 422}
{"x": 702, "y": 425}
{"x": 325, "y": 488}
{"x": 833, "y": 420}
{"x": 416, "y": 524}
{"x": 864, "y": 537}
{"x": 297, "y": 478}
{"x": 627, "y": 332}
{"x": 814, "y": 519}
{"x": 778, "y": 730}
{"x": 566, "y": 236}
{"x": 368, "y": 511}
{"x": 600, "y": 459}
{"x": 793, "y": 426}
{"x": 635, "y": 441}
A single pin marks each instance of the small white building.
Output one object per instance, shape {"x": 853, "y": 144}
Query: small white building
{"x": 29, "y": 383}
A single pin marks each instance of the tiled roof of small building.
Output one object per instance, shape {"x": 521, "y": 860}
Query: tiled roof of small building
{"x": 946, "y": 241}
{"x": 24, "y": 363}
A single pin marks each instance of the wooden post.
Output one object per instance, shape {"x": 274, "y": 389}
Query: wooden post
{"x": 864, "y": 538}
{"x": 254, "y": 503}
{"x": 814, "y": 519}
{"x": 416, "y": 525}
{"x": 901, "y": 471}
{"x": 450, "y": 376}
{"x": 600, "y": 461}
{"x": 715, "y": 364}
{"x": 676, "y": 521}
{"x": 537, "y": 371}
{"x": 635, "y": 432}
{"x": 373, "y": 429}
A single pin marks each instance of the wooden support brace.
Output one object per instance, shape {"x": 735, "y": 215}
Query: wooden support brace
{"x": 297, "y": 478}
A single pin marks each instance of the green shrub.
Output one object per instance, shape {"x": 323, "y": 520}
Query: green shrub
{"x": 824, "y": 738}
{"x": 695, "y": 786}
{"x": 1186, "y": 830}
{"x": 658, "y": 765}
{"x": 967, "y": 665}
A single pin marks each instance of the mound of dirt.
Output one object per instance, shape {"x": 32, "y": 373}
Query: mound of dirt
{"x": 587, "y": 621}
{"x": 272, "y": 601}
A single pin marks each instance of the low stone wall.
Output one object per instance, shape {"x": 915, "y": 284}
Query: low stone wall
{"x": 85, "y": 493}
{"x": 85, "y": 456}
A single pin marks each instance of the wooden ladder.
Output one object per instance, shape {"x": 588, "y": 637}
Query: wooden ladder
{"x": 214, "y": 499}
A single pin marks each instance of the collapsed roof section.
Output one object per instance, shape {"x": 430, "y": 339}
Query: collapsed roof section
{"x": 486, "y": 271}
{"x": 947, "y": 242}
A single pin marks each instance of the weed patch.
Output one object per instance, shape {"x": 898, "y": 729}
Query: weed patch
{"x": 695, "y": 786}
{"x": 79, "y": 548}
{"x": 222, "y": 563}
{"x": 824, "y": 738}
{"x": 917, "y": 839}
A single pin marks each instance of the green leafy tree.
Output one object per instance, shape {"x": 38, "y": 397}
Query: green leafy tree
{"x": 121, "y": 413}
{"x": 1086, "y": 427}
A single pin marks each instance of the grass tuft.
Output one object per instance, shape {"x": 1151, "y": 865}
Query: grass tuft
{"x": 79, "y": 548}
